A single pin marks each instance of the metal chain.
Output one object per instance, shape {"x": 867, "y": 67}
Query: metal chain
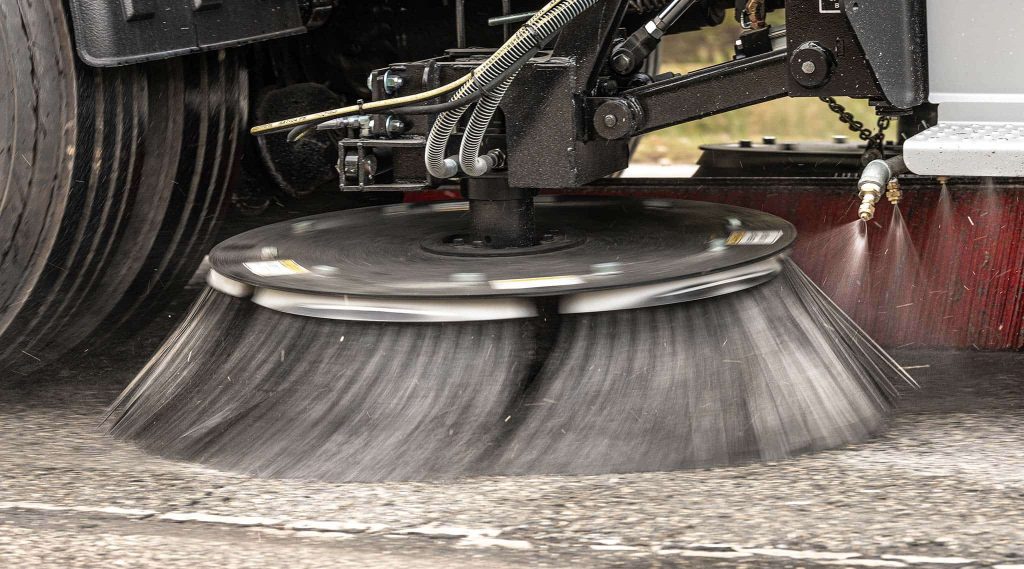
{"x": 875, "y": 140}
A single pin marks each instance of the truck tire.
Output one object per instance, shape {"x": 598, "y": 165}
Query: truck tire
{"x": 112, "y": 182}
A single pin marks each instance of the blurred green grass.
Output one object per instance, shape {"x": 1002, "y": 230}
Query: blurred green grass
{"x": 786, "y": 119}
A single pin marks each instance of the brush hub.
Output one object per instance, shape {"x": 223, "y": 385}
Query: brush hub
{"x": 467, "y": 245}
{"x": 604, "y": 251}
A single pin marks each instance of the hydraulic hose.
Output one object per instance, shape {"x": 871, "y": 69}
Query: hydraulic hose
{"x": 531, "y": 36}
{"x": 469, "y": 152}
{"x": 512, "y": 51}
{"x": 465, "y": 101}
{"x": 472, "y": 139}
{"x": 386, "y": 104}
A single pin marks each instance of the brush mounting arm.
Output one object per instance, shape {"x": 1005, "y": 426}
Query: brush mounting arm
{"x": 682, "y": 98}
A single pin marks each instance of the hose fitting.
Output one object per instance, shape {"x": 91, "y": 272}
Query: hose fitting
{"x": 876, "y": 176}
{"x": 448, "y": 168}
{"x": 542, "y": 26}
{"x": 483, "y": 164}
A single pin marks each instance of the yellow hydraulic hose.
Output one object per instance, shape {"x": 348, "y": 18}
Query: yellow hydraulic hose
{"x": 288, "y": 124}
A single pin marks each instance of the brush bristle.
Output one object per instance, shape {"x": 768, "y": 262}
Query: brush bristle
{"x": 761, "y": 374}
{"x": 245, "y": 388}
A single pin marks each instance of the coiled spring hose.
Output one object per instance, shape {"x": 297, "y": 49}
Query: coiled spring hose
{"x": 530, "y": 37}
{"x": 469, "y": 152}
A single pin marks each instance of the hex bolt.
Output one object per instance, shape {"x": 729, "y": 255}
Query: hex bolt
{"x": 839, "y": 139}
{"x": 622, "y": 62}
{"x": 610, "y": 121}
{"x": 734, "y": 223}
{"x": 458, "y": 241}
{"x": 808, "y": 67}
{"x": 268, "y": 253}
{"x": 394, "y": 125}
{"x": 392, "y": 82}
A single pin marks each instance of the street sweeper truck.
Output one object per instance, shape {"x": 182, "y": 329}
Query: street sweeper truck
{"x": 541, "y": 319}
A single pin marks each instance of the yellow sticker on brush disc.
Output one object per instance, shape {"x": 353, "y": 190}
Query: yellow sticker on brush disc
{"x": 279, "y": 268}
{"x": 748, "y": 237}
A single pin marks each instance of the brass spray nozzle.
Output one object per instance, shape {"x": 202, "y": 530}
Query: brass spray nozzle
{"x": 869, "y": 195}
{"x": 893, "y": 192}
{"x": 879, "y": 174}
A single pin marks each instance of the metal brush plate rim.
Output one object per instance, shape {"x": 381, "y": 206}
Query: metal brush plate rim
{"x": 674, "y": 292}
{"x": 376, "y": 309}
{"x": 369, "y": 263}
{"x": 371, "y": 309}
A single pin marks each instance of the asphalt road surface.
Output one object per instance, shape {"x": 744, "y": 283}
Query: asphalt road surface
{"x": 943, "y": 487}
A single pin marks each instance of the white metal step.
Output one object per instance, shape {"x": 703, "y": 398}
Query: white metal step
{"x": 967, "y": 149}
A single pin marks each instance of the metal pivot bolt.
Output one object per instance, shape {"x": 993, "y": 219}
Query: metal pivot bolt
{"x": 615, "y": 119}
{"x": 811, "y": 65}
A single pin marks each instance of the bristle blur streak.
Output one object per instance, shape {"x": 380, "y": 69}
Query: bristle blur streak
{"x": 761, "y": 374}
{"x": 278, "y": 395}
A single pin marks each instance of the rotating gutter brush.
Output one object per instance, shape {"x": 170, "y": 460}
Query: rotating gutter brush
{"x": 391, "y": 343}
{"x": 507, "y": 334}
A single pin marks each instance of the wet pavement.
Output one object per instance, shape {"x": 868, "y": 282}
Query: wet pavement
{"x": 943, "y": 487}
